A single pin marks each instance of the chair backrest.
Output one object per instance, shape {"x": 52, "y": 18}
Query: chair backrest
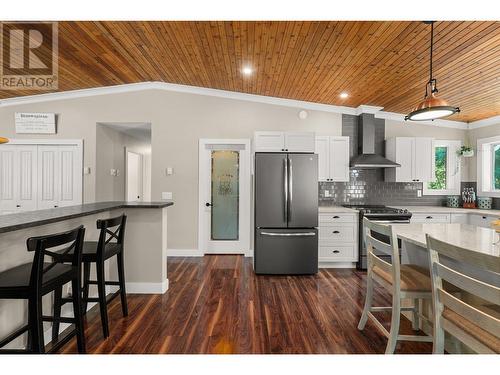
{"x": 370, "y": 230}
{"x": 48, "y": 245}
{"x": 451, "y": 273}
{"x": 112, "y": 231}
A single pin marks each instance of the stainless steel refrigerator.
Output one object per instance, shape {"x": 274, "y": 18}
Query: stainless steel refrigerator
{"x": 286, "y": 213}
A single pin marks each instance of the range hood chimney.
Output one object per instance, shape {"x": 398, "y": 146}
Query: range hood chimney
{"x": 367, "y": 138}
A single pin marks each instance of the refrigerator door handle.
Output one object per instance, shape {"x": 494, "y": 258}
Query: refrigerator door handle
{"x": 290, "y": 187}
{"x": 299, "y": 234}
{"x": 285, "y": 188}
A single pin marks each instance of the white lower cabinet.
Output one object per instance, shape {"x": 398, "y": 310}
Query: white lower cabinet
{"x": 338, "y": 237}
{"x": 481, "y": 220}
{"x": 459, "y": 219}
{"x": 430, "y": 218}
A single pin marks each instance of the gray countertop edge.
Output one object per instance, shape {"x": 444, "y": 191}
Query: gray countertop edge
{"x": 29, "y": 219}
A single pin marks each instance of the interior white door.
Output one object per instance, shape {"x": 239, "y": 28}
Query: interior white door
{"x": 8, "y": 186}
{"x": 224, "y": 196}
{"x": 26, "y": 168}
{"x": 322, "y": 149}
{"x": 134, "y": 177}
{"x": 339, "y": 158}
{"x": 59, "y": 176}
{"x": 70, "y": 159}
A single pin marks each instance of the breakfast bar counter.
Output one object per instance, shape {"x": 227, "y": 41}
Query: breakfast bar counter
{"x": 145, "y": 246}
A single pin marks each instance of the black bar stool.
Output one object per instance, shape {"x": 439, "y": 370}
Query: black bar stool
{"x": 32, "y": 281}
{"x": 112, "y": 233}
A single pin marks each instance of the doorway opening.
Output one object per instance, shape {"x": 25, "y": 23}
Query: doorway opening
{"x": 123, "y": 161}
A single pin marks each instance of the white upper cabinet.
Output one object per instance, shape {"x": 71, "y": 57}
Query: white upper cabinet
{"x": 415, "y": 154}
{"x": 333, "y": 158}
{"x": 265, "y": 141}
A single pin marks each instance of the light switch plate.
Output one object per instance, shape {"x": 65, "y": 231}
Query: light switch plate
{"x": 165, "y": 195}
{"x": 170, "y": 171}
{"x": 86, "y": 170}
{"x": 419, "y": 193}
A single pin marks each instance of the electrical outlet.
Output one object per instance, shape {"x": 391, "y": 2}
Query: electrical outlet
{"x": 327, "y": 194}
{"x": 419, "y": 193}
{"x": 170, "y": 171}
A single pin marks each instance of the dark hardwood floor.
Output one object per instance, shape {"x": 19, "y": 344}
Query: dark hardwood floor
{"x": 216, "y": 304}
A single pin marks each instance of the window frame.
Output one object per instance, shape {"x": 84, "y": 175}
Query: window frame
{"x": 485, "y": 166}
{"x": 453, "y": 164}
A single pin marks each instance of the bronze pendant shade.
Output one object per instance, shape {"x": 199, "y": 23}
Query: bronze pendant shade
{"x": 431, "y": 107}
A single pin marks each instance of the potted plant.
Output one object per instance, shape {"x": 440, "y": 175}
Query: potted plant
{"x": 466, "y": 151}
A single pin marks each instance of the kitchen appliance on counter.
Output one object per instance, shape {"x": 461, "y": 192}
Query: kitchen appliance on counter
{"x": 286, "y": 213}
{"x": 381, "y": 214}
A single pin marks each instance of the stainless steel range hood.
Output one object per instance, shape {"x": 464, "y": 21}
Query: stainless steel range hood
{"x": 368, "y": 136}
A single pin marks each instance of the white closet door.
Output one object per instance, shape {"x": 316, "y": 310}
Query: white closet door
{"x": 18, "y": 178}
{"x": 26, "y": 159}
{"x": 49, "y": 176}
{"x": 70, "y": 176}
{"x": 8, "y": 185}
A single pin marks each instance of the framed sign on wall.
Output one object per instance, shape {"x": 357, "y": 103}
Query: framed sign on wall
{"x": 35, "y": 123}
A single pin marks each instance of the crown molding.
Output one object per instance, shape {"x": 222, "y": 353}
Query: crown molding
{"x": 299, "y": 104}
{"x": 441, "y": 123}
{"x": 495, "y": 120}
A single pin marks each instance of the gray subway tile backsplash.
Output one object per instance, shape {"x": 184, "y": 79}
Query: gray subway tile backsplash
{"x": 367, "y": 186}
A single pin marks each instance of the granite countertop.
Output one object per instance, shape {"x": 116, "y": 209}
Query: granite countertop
{"x": 464, "y": 235}
{"x": 336, "y": 209}
{"x": 449, "y": 210}
{"x": 28, "y": 219}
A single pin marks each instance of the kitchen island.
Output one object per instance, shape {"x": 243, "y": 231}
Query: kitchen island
{"x": 145, "y": 246}
{"x": 414, "y": 251}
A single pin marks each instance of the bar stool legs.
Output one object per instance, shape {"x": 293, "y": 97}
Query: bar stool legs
{"x": 77, "y": 309}
{"x": 121, "y": 279}
{"x": 101, "y": 290}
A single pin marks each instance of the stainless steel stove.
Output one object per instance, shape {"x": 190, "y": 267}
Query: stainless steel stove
{"x": 379, "y": 213}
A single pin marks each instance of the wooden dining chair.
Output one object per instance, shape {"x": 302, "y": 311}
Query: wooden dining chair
{"x": 403, "y": 281}
{"x": 476, "y": 326}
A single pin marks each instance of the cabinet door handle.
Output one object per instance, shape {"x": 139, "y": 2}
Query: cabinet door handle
{"x": 335, "y": 232}
{"x": 336, "y": 217}
{"x": 484, "y": 217}
{"x": 18, "y": 205}
{"x": 335, "y": 251}
{"x": 429, "y": 217}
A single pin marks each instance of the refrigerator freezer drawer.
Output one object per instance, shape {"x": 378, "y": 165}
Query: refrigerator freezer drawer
{"x": 286, "y": 251}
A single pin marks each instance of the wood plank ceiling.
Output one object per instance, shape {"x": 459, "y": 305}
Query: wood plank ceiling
{"x": 377, "y": 63}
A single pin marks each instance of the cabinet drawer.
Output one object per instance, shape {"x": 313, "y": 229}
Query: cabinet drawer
{"x": 337, "y": 233}
{"x": 342, "y": 253}
{"x": 333, "y": 218}
{"x": 430, "y": 218}
{"x": 481, "y": 220}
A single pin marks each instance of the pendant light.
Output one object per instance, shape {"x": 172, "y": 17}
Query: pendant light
{"x": 431, "y": 107}
{"x": 4, "y": 140}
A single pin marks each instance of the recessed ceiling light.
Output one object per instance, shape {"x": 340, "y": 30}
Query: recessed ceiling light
{"x": 247, "y": 70}
{"x": 344, "y": 95}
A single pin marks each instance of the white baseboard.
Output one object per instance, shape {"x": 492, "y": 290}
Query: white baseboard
{"x": 184, "y": 253}
{"x": 337, "y": 265}
{"x": 147, "y": 288}
{"x": 196, "y": 253}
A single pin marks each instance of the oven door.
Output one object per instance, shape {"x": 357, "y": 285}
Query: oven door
{"x": 363, "y": 262}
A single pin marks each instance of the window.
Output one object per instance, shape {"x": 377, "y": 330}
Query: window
{"x": 446, "y": 169}
{"x": 488, "y": 166}
{"x": 496, "y": 166}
